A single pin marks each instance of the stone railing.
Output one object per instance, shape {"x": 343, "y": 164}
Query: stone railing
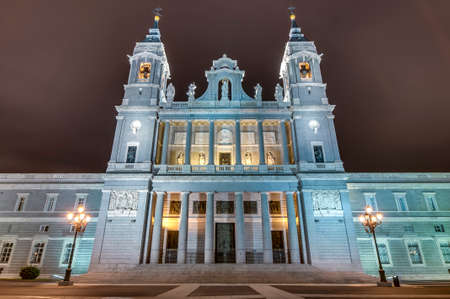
{"x": 129, "y": 166}
{"x": 229, "y": 169}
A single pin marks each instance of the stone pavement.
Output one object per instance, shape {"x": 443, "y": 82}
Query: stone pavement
{"x": 218, "y": 291}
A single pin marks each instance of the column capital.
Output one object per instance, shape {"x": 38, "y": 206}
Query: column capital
{"x": 238, "y": 193}
{"x": 160, "y": 193}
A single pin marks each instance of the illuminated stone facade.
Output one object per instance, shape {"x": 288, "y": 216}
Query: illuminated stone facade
{"x": 226, "y": 177}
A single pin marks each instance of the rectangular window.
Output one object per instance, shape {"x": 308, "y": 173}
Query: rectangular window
{"x": 318, "y": 154}
{"x": 430, "y": 200}
{"x": 81, "y": 200}
{"x": 400, "y": 200}
{"x": 384, "y": 254}
{"x": 250, "y": 207}
{"x": 224, "y": 207}
{"x": 44, "y": 228}
{"x": 66, "y": 253}
{"x": 6, "y": 251}
{"x": 21, "y": 201}
{"x": 37, "y": 253}
{"x": 275, "y": 207}
{"x": 439, "y": 228}
{"x": 174, "y": 207}
{"x": 199, "y": 207}
{"x": 445, "y": 249}
{"x": 414, "y": 253}
{"x": 131, "y": 153}
{"x": 50, "y": 202}
{"x": 371, "y": 200}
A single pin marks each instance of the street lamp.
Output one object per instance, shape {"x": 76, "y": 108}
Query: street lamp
{"x": 370, "y": 222}
{"x": 79, "y": 221}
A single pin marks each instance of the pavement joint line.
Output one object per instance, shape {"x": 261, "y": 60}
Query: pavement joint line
{"x": 181, "y": 291}
{"x": 270, "y": 292}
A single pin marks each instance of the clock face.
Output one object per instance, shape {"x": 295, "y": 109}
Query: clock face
{"x": 225, "y": 136}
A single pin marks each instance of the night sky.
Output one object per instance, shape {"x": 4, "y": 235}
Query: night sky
{"x": 63, "y": 65}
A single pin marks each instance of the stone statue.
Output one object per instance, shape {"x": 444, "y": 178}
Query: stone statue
{"x": 201, "y": 158}
{"x": 191, "y": 91}
{"x": 278, "y": 93}
{"x": 170, "y": 93}
{"x": 248, "y": 158}
{"x": 258, "y": 92}
{"x": 224, "y": 90}
{"x": 270, "y": 158}
{"x": 180, "y": 158}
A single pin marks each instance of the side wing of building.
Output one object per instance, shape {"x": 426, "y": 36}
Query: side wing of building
{"x": 414, "y": 238}
{"x": 33, "y": 227}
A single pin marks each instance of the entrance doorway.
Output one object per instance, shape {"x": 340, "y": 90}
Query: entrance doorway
{"x": 171, "y": 247}
{"x": 225, "y": 251}
{"x": 225, "y": 158}
{"x": 279, "y": 256}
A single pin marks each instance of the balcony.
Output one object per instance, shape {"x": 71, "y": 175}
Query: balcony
{"x": 225, "y": 169}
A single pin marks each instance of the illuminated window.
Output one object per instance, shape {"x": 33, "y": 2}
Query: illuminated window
{"x": 199, "y": 207}
{"x": 415, "y": 254}
{"x": 144, "y": 71}
{"x": 275, "y": 207}
{"x": 37, "y": 253}
{"x": 305, "y": 70}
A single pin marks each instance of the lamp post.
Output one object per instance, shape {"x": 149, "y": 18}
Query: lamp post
{"x": 370, "y": 222}
{"x": 79, "y": 221}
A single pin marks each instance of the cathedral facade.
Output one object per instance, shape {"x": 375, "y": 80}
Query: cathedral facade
{"x": 226, "y": 177}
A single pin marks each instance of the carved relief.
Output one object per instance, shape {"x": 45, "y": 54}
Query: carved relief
{"x": 123, "y": 204}
{"x": 327, "y": 203}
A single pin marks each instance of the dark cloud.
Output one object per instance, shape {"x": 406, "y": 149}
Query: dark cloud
{"x": 63, "y": 65}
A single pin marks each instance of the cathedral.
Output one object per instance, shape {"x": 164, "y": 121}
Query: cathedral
{"x": 226, "y": 177}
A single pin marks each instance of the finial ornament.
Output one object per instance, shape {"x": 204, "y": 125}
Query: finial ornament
{"x": 157, "y": 13}
{"x": 291, "y": 12}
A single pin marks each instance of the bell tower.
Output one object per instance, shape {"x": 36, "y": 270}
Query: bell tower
{"x": 306, "y": 93}
{"x": 145, "y": 91}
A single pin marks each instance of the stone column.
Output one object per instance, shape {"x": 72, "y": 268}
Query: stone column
{"x": 209, "y": 229}
{"x": 285, "y": 142}
{"x": 238, "y": 142}
{"x": 157, "y": 225}
{"x": 187, "y": 151}
{"x": 262, "y": 160}
{"x": 292, "y": 229}
{"x": 240, "y": 228}
{"x": 183, "y": 228}
{"x": 165, "y": 142}
{"x": 266, "y": 232}
{"x": 211, "y": 143}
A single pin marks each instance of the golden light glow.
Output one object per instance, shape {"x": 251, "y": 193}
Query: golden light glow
{"x": 305, "y": 70}
{"x": 88, "y": 218}
{"x": 144, "y": 71}
{"x": 379, "y": 216}
{"x": 292, "y": 17}
{"x": 157, "y": 18}
{"x": 80, "y": 209}
{"x": 362, "y": 219}
{"x": 369, "y": 210}
{"x": 69, "y": 216}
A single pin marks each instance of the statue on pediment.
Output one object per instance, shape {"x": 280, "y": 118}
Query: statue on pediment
{"x": 278, "y": 93}
{"x": 170, "y": 93}
{"x": 191, "y": 91}
{"x": 224, "y": 90}
{"x": 258, "y": 92}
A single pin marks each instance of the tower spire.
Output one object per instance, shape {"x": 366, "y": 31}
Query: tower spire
{"x": 295, "y": 34}
{"x": 154, "y": 33}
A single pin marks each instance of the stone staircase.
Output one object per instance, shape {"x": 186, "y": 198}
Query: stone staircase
{"x": 222, "y": 273}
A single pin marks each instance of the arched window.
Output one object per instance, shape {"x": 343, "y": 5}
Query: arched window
{"x": 144, "y": 71}
{"x": 305, "y": 71}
